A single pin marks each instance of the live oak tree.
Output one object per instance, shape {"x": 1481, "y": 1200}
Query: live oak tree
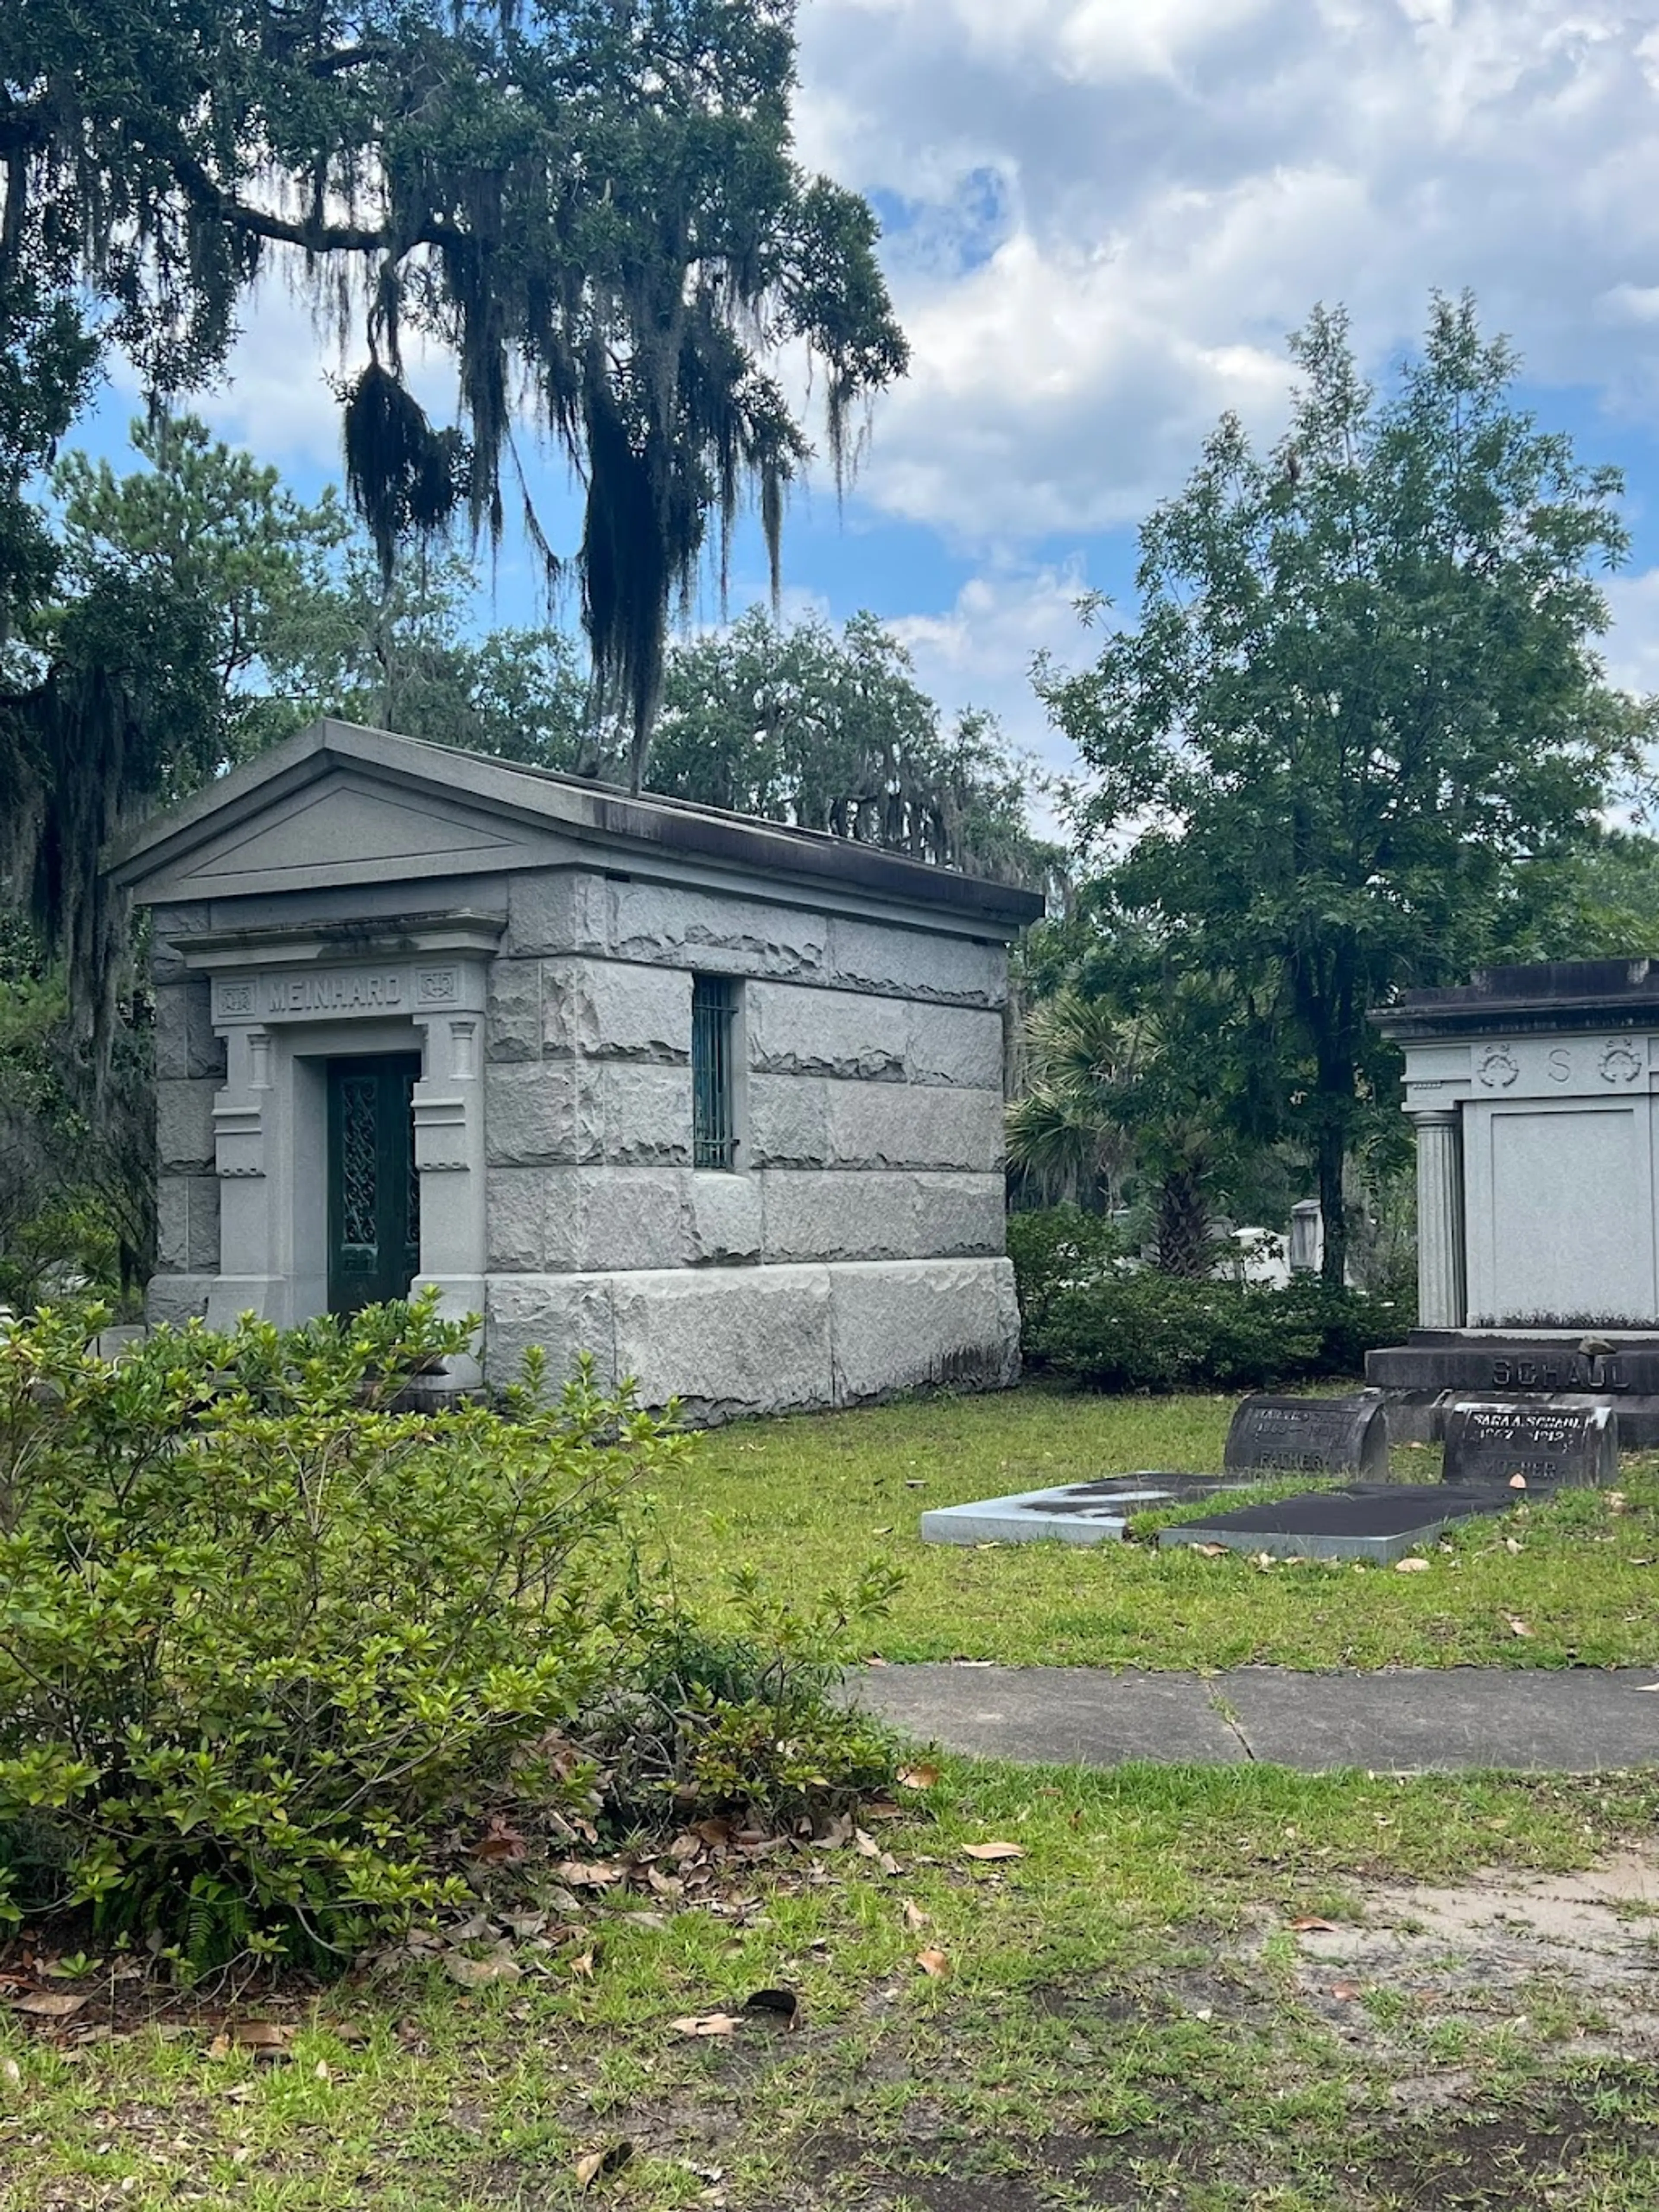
{"x": 1360, "y": 716}
{"x": 591, "y": 203}
{"x": 590, "y": 206}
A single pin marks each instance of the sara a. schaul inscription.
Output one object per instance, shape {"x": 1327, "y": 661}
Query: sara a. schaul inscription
{"x": 1549, "y": 1445}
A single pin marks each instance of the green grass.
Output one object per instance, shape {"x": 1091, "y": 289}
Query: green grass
{"x": 1123, "y": 2024}
{"x": 807, "y": 1500}
{"x": 1130, "y": 2018}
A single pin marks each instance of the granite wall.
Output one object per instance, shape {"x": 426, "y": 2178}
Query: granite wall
{"x": 190, "y": 1068}
{"x": 855, "y": 1250}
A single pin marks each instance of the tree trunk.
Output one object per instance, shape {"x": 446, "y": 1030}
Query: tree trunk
{"x": 1332, "y": 1160}
{"x": 1183, "y": 1225}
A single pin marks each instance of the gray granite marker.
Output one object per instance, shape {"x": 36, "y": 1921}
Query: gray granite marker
{"x": 1075, "y": 1513}
{"x": 1544, "y": 1445}
{"x": 1310, "y": 1436}
{"x": 1377, "y": 1522}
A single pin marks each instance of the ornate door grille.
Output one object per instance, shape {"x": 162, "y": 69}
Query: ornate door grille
{"x": 373, "y": 1191}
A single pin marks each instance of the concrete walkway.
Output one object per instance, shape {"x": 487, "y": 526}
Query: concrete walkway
{"x": 1408, "y": 1719}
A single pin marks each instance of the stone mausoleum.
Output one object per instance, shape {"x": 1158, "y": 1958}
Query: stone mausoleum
{"x": 1535, "y": 1092}
{"x": 718, "y": 1101}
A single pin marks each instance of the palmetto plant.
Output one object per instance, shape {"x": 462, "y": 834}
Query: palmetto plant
{"x": 1113, "y": 1098}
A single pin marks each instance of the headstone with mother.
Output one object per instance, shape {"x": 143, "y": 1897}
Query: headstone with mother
{"x": 1345, "y": 1437}
{"x": 1539, "y": 1444}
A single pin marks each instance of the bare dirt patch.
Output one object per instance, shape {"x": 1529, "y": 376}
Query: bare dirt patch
{"x": 1490, "y": 1950}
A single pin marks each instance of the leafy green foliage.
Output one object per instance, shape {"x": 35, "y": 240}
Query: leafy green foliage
{"x": 1089, "y": 1313}
{"x": 272, "y": 1639}
{"x": 750, "y": 1719}
{"x": 832, "y": 732}
{"x": 1360, "y": 721}
{"x": 590, "y": 202}
{"x": 265, "y": 1636}
{"x": 1148, "y": 1330}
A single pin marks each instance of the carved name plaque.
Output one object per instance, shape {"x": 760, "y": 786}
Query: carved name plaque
{"x": 1545, "y": 1445}
{"x": 1310, "y": 1436}
{"x": 336, "y": 991}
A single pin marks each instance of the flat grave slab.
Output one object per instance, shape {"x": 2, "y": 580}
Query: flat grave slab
{"x": 1310, "y": 1436}
{"x": 1542, "y": 1444}
{"x": 1379, "y": 1522}
{"x": 1072, "y": 1513}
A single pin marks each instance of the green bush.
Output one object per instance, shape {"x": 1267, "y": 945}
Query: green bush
{"x": 751, "y": 1720}
{"x": 1055, "y": 1247}
{"x": 1089, "y": 1315}
{"x": 264, "y": 1637}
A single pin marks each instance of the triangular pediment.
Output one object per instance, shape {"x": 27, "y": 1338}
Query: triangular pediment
{"x": 343, "y": 826}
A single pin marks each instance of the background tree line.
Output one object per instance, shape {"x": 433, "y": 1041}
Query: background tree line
{"x": 1356, "y": 736}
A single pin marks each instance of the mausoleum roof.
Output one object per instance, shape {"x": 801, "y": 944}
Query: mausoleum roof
{"x": 435, "y": 784}
{"x": 1541, "y": 994}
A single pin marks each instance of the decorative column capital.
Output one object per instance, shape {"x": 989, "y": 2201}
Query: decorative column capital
{"x": 1435, "y": 1117}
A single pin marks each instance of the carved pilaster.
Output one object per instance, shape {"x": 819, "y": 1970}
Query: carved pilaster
{"x": 1440, "y": 1259}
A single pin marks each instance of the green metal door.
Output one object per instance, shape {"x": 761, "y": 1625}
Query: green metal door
{"x": 374, "y": 1192}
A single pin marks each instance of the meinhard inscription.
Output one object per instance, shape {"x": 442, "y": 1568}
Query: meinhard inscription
{"x": 1310, "y": 1436}
{"x": 336, "y": 991}
{"x": 1536, "y": 1445}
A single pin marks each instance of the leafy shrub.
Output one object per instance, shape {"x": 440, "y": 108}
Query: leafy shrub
{"x": 1140, "y": 1330}
{"x": 751, "y": 1719}
{"x": 264, "y": 1636}
{"x": 1055, "y": 1247}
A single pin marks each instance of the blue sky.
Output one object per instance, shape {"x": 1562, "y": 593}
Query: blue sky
{"x": 1102, "y": 217}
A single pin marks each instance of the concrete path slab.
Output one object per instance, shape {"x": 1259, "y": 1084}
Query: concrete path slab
{"x": 1054, "y": 1715}
{"x": 1412, "y": 1720}
{"x": 1434, "y": 1720}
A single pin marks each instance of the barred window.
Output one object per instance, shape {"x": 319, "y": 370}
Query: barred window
{"x": 714, "y": 1029}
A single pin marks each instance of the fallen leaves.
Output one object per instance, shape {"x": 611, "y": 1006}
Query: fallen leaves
{"x": 1210, "y": 1551}
{"x": 934, "y": 1964}
{"x": 1517, "y": 1627}
{"x": 589, "y": 1874}
{"x": 922, "y": 1776}
{"x": 500, "y": 1843}
{"x": 1517, "y": 1482}
{"x": 915, "y": 1920}
{"x": 479, "y": 1974}
{"x": 1345, "y": 1992}
{"x": 780, "y": 2006}
{"x": 1413, "y": 1566}
{"x": 1310, "y": 1924}
{"x": 997, "y": 1851}
{"x": 46, "y": 2004}
{"x": 266, "y": 2040}
{"x": 600, "y": 2165}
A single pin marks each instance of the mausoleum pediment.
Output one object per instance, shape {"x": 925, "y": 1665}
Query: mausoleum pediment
{"x": 342, "y": 827}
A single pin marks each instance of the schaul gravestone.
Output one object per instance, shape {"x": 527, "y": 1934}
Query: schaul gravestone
{"x": 1537, "y": 1444}
{"x": 1310, "y": 1436}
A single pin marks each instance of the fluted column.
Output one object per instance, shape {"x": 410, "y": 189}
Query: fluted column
{"x": 1440, "y": 1276}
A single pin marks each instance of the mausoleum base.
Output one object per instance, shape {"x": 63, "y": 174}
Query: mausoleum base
{"x": 766, "y": 1339}
{"x": 1419, "y": 1378}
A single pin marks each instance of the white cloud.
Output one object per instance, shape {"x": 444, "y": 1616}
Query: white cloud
{"x": 1632, "y": 646}
{"x": 980, "y": 653}
{"x": 1161, "y": 188}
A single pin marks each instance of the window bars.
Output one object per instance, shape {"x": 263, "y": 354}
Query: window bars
{"x": 714, "y": 1014}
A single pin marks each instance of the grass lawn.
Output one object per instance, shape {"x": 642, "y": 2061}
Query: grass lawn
{"x": 808, "y": 1499}
{"x": 1129, "y": 2017}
